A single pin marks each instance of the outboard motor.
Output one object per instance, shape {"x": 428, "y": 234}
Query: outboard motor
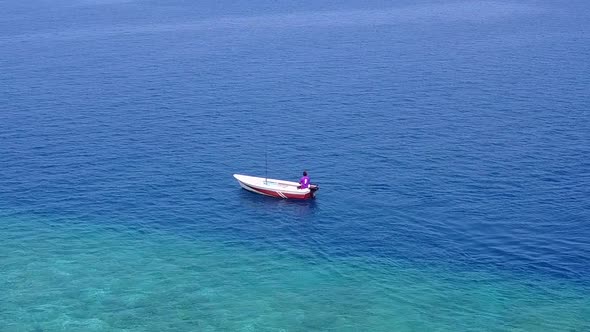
{"x": 313, "y": 188}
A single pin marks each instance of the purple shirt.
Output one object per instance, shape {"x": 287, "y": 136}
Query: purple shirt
{"x": 304, "y": 182}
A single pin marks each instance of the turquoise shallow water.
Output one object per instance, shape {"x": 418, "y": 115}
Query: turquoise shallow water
{"x": 70, "y": 275}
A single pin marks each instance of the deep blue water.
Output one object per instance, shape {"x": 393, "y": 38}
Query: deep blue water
{"x": 451, "y": 136}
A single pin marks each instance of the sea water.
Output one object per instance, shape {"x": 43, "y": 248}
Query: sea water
{"x": 450, "y": 140}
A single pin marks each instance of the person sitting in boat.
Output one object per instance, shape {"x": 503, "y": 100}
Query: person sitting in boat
{"x": 304, "y": 181}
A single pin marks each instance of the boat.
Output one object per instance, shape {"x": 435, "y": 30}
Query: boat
{"x": 276, "y": 188}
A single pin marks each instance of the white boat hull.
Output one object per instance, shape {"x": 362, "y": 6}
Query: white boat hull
{"x": 275, "y": 188}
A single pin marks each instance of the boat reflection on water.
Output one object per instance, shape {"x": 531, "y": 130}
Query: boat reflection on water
{"x": 293, "y": 207}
